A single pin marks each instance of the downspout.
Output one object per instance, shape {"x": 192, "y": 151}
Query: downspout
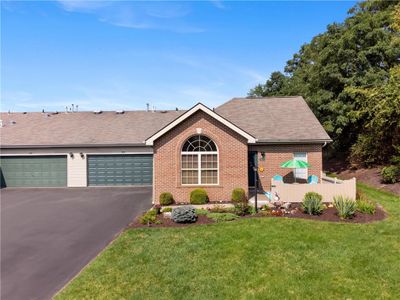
{"x": 322, "y": 172}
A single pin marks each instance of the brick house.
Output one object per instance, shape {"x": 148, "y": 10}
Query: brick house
{"x": 172, "y": 151}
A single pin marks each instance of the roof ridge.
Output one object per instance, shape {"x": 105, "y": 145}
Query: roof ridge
{"x": 266, "y": 97}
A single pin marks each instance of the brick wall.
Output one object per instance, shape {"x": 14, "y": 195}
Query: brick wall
{"x": 277, "y": 154}
{"x": 232, "y": 159}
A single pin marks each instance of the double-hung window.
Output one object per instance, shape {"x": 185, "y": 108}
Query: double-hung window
{"x": 199, "y": 161}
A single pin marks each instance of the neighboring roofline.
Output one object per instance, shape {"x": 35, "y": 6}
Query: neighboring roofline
{"x": 71, "y": 146}
{"x": 258, "y": 142}
{"x": 293, "y": 141}
{"x": 199, "y": 106}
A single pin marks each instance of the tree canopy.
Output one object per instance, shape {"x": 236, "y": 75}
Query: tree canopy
{"x": 350, "y": 77}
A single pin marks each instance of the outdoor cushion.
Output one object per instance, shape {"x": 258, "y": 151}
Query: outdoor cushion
{"x": 312, "y": 179}
{"x": 277, "y": 178}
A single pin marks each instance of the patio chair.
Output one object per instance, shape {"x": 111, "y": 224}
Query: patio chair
{"x": 272, "y": 197}
{"x": 312, "y": 179}
{"x": 278, "y": 178}
{"x": 268, "y": 195}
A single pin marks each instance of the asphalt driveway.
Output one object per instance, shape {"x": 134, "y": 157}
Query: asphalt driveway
{"x": 49, "y": 235}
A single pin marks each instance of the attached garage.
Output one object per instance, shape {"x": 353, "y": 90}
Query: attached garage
{"x": 33, "y": 171}
{"x": 124, "y": 169}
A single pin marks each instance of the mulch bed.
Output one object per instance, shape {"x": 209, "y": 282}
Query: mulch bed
{"x": 167, "y": 222}
{"x": 329, "y": 215}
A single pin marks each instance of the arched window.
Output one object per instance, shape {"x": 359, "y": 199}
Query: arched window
{"x": 199, "y": 164}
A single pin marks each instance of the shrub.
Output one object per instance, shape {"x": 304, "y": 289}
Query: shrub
{"x": 157, "y": 208}
{"x": 265, "y": 212}
{"x": 312, "y": 203}
{"x": 391, "y": 174}
{"x": 149, "y": 217}
{"x": 184, "y": 214}
{"x": 242, "y": 209}
{"x": 239, "y": 196}
{"x": 221, "y": 209}
{"x": 198, "y": 196}
{"x": 365, "y": 206}
{"x": 201, "y": 211}
{"x": 265, "y": 207}
{"x": 222, "y": 217}
{"x": 345, "y": 206}
{"x": 166, "y": 198}
{"x": 166, "y": 209}
{"x": 252, "y": 210}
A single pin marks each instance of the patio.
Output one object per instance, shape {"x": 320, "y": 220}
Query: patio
{"x": 328, "y": 187}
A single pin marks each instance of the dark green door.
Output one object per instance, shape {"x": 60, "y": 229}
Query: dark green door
{"x": 129, "y": 169}
{"x": 38, "y": 171}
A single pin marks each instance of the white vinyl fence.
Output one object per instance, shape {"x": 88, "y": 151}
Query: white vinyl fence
{"x": 328, "y": 187}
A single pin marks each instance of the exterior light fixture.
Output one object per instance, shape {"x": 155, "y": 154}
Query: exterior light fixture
{"x": 82, "y": 155}
{"x": 71, "y": 155}
{"x": 263, "y": 156}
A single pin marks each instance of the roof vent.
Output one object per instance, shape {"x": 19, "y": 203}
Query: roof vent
{"x": 97, "y": 112}
{"x": 163, "y": 111}
{"x": 119, "y": 112}
{"x": 12, "y": 122}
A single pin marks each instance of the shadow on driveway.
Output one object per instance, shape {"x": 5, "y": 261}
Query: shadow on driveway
{"x": 49, "y": 235}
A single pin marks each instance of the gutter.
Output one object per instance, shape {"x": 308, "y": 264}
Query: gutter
{"x": 72, "y": 146}
{"x": 308, "y": 141}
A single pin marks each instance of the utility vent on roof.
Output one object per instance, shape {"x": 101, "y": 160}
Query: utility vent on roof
{"x": 97, "y": 112}
{"x": 119, "y": 112}
{"x": 163, "y": 111}
{"x": 12, "y": 122}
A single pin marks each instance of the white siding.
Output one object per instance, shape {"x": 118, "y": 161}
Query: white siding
{"x": 77, "y": 171}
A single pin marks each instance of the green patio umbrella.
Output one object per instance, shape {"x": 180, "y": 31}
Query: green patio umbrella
{"x": 295, "y": 164}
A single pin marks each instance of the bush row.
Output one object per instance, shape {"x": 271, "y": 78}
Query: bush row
{"x": 200, "y": 196}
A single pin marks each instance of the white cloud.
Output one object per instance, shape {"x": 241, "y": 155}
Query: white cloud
{"x": 137, "y": 15}
{"x": 75, "y": 5}
{"x": 218, "y": 4}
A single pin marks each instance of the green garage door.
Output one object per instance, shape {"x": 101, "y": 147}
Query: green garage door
{"x": 38, "y": 171}
{"x": 129, "y": 169}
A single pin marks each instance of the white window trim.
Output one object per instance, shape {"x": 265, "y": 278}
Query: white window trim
{"x": 199, "y": 169}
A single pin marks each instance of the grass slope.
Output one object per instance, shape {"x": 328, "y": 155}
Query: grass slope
{"x": 267, "y": 258}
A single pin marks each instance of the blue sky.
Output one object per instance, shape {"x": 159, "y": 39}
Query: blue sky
{"x": 120, "y": 55}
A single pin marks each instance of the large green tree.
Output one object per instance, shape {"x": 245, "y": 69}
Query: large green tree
{"x": 358, "y": 53}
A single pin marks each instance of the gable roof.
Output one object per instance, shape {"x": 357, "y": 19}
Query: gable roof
{"x": 275, "y": 119}
{"x": 267, "y": 120}
{"x": 194, "y": 109}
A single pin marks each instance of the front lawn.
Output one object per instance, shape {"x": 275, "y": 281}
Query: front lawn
{"x": 261, "y": 258}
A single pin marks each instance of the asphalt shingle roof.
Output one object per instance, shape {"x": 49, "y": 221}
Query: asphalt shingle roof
{"x": 267, "y": 119}
{"x": 82, "y": 128}
{"x": 273, "y": 119}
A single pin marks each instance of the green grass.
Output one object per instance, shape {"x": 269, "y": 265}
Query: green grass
{"x": 256, "y": 258}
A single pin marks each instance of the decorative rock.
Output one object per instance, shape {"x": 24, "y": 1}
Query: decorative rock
{"x": 286, "y": 205}
{"x": 167, "y": 215}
